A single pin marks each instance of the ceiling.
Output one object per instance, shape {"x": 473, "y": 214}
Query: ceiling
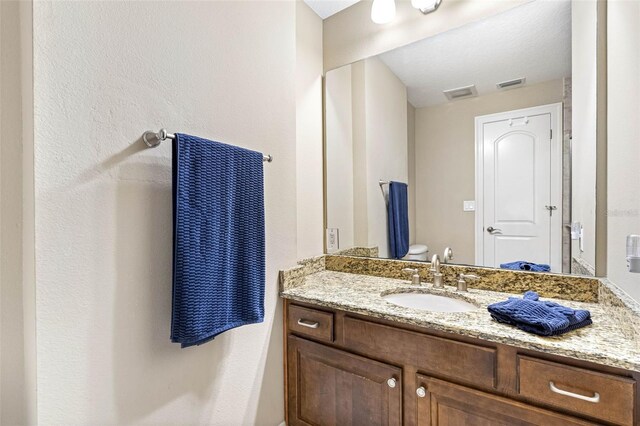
{"x": 531, "y": 41}
{"x": 326, "y": 8}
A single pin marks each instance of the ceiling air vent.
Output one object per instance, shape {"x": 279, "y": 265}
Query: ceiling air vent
{"x": 509, "y": 84}
{"x": 461, "y": 92}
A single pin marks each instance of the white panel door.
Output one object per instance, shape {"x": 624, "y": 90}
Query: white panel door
{"x": 518, "y": 190}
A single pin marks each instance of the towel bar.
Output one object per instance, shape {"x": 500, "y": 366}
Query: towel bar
{"x": 383, "y": 182}
{"x": 153, "y": 139}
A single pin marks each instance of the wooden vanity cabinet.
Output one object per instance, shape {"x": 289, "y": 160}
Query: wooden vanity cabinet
{"x": 330, "y": 387}
{"x": 345, "y": 369}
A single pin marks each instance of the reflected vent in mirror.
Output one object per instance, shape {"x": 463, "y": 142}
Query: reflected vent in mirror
{"x": 461, "y": 92}
{"x": 509, "y": 84}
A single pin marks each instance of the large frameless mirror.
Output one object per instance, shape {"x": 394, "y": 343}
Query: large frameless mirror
{"x": 477, "y": 144}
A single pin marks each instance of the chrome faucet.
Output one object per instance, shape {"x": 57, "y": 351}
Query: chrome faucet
{"x": 415, "y": 277}
{"x": 438, "y": 282}
{"x": 462, "y": 284}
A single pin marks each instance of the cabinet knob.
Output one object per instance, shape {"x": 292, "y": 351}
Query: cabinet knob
{"x": 391, "y": 382}
{"x": 421, "y": 392}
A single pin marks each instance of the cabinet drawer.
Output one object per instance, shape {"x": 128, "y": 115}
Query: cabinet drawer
{"x": 602, "y": 396}
{"x": 441, "y": 357}
{"x": 444, "y": 403}
{"x": 311, "y": 322}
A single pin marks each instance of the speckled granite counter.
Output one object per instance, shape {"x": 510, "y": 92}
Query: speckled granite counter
{"x": 566, "y": 287}
{"x": 612, "y": 340}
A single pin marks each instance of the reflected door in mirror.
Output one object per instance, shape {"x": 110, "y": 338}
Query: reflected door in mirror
{"x": 521, "y": 174}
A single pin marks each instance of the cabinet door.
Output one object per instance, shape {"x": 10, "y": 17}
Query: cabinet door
{"x": 328, "y": 386}
{"x": 442, "y": 403}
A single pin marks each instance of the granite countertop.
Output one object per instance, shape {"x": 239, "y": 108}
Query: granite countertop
{"x": 611, "y": 340}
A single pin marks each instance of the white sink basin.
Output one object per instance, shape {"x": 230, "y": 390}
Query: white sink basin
{"x": 429, "y": 302}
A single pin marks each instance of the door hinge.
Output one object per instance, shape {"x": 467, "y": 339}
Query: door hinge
{"x": 550, "y": 134}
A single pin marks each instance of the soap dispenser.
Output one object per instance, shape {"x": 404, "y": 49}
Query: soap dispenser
{"x": 633, "y": 253}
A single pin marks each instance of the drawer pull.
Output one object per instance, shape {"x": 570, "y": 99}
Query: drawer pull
{"x": 306, "y": 323}
{"x": 391, "y": 383}
{"x": 421, "y": 392}
{"x": 595, "y": 398}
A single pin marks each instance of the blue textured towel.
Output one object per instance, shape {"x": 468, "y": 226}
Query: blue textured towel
{"x": 538, "y": 317}
{"x": 522, "y": 265}
{"x": 218, "y": 243}
{"x": 398, "y": 217}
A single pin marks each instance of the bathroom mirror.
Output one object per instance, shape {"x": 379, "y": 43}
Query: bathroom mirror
{"x": 492, "y": 126}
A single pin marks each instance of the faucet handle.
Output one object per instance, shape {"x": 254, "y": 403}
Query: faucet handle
{"x": 415, "y": 276}
{"x": 468, "y": 277}
{"x": 462, "y": 284}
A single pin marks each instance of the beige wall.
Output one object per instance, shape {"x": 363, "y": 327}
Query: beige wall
{"x": 17, "y": 331}
{"x": 309, "y": 151}
{"x": 12, "y": 384}
{"x": 583, "y": 143}
{"x": 411, "y": 155}
{"x": 445, "y": 164}
{"x": 366, "y": 122}
{"x": 623, "y": 147}
{"x": 360, "y": 177}
{"x": 350, "y": 35}
{"x": 104, "y": 73}
{"x": 340, "y": 166}
{"x": 386, "y": 129}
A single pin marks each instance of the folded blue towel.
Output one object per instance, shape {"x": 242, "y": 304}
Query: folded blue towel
{"x": 219, "y": 248}
{"x": 534, "y": 316}
{"x": 398, "y": 219}
{"x": 521, "y": 265}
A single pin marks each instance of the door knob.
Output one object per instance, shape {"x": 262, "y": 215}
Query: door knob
{"x": 421, "y": 392}
{"x": 491, "y": 230}
{"x": 391, "y": 382}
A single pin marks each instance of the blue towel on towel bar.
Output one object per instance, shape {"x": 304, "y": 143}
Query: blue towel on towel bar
{"x": 542, "y": 318}
{"x": 398, "y": 218}
{"x": 218, "y": 243}
{"x": 521, "y": 265}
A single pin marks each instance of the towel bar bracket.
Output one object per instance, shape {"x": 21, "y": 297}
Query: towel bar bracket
{"x": 153, "y": 139}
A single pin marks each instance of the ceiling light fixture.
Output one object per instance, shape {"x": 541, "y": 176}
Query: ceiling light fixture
{"x": 426, "y": 6}
{"x": 383, "y": 11}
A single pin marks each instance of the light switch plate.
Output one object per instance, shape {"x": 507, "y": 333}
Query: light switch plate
{"x": 469, "y": 206}
{"x": 333, "y": 241}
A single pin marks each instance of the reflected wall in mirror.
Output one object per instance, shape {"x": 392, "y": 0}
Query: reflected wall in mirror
{"x": 492, "y": 128}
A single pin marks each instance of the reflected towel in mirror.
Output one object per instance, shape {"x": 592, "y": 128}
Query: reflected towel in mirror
{"x": 398, "y": 220}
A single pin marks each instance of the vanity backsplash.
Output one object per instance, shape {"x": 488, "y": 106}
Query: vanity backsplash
{"x": 579, "y": 289}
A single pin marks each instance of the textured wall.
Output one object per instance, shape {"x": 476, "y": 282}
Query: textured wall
{"x": 104, "y": 73}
